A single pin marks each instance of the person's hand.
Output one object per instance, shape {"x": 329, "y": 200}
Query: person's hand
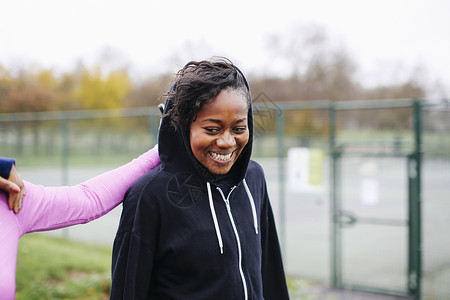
{"x": 14, "y": 186}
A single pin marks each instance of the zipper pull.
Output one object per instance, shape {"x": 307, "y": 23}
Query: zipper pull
{"x": 227, "y": 203}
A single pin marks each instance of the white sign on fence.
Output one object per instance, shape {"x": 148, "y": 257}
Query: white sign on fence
{"x": 305, "y": 169}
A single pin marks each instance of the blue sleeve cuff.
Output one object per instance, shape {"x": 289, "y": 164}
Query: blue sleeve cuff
{"x": 5, "y": 166}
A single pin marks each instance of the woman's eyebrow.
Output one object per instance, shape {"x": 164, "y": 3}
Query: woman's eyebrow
{"x": 211, "y": 120}
{"x": 220, "y": 121}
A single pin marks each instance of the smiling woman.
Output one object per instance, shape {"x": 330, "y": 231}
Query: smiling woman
{"x": 201, "y": 226}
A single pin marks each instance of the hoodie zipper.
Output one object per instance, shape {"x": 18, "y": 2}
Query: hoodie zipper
{"x": 236, "y": 235}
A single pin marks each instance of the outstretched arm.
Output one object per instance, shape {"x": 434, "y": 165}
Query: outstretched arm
{"x": 47, "y": 208}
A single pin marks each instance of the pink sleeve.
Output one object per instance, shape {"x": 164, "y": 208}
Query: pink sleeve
{"x": 47, "y": 208}
{"x": 9, "y": 241}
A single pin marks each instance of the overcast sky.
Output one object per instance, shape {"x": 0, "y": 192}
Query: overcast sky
{"x": 380, "y": 35}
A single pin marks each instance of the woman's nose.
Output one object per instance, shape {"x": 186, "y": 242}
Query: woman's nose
{"x": 226, "y": 140}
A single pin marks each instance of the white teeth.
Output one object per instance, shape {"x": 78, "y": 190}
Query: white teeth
{"x": 221, "y": 157}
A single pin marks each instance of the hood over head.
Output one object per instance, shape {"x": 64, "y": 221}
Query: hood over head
{"x": 175, "y": 150}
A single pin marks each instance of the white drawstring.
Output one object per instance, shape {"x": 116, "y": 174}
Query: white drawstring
{"x": 252, "y": 204}
{"x": 213, "y": 213}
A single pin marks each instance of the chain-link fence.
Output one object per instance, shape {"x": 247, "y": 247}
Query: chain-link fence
{"x": 360, "y": 189}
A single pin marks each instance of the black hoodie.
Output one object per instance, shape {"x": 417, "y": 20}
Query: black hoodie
{"x": 186, "y": 233}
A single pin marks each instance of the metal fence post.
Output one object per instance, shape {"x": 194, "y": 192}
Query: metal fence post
{"x": 153, "y": 125}
{"x": 335, "y": 270}
{"x": 64, "y": 149}
{"x": 415, "y": 208}
{"x": 281, "y": 180}
{"x": 332, "y": 116}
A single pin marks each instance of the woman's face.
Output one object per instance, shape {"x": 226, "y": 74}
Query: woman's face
{"x": 220, "y": 131}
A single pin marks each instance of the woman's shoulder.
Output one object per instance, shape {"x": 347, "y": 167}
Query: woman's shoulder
{"x": 145, "y": 190}
{"x": 255, "y": 168}
{"x": 153, "y": 177}
{"x": 255, "y": 172}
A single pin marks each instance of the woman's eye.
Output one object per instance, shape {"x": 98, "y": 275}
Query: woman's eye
{"x": 212, "y": 130}
{"x": 240, "y": 129}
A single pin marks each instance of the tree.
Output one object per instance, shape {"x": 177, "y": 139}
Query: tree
{"x": 149, "y": 92}
{"x": 28, "y": 92}
{"x": 297, "y": 47}
{"x": 98, "y": 91}
{"x": 317, "y": 69}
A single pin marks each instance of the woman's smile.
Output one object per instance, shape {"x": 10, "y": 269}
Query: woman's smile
{"x": 219, "y": 132}
{"x": 221, "y": 157}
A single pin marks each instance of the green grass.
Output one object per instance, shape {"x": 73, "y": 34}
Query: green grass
{"x": 55, "y": 268}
